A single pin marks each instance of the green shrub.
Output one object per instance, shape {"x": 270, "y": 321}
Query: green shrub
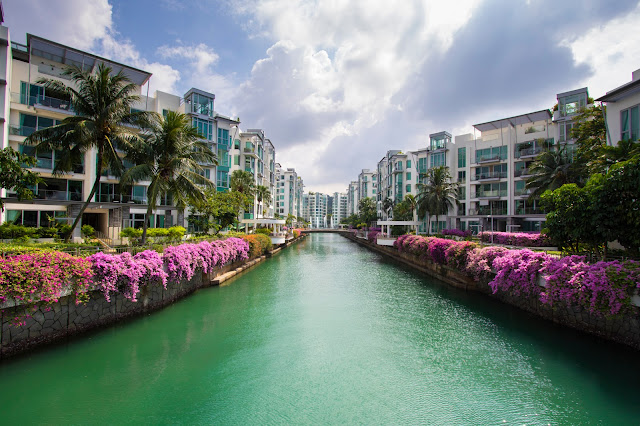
{"x": 175, "y": 233}
{"x": 259, "y": 244}
{"x": 46, "y": 232}
{"x": 263, "y": 231}
{"x": 87, "y": 231}
{"x": 10, "y": 231}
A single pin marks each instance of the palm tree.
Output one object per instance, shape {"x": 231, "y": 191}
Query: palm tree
{"x": 387, "y": 204}
{"x": 168, "y": 157}
{"x": 242, "y": 181}
{"x": 412, "y": 203}
{"x": 438, "y": 194}
{"x": 550, "y": 170}
{"x": 263, "y": 194}
{"x": 102, "y": 103}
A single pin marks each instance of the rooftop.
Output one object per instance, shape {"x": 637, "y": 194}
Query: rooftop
{"x": 530, "y": 117}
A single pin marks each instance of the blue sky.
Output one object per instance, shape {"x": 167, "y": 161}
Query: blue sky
{"x": 335, "y": 84}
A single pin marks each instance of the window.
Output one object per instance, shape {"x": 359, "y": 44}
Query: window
{"x": 564, "y": 130}
{"x": 630, "y": 124}
{"x": 569, "y": 105}
{"x": 462, "y": 176}
{"x": 204, "y": 128}
{"x": 408, "y": 188}
{"x": 408, "y": 164}
{"x": 222, "y": 179}
{"x": 462, "y": 157}
{"x": 44, "y": 159}
{"x": 408, "y": 175}
{"x": 201, "y": 104}
{"x": 462, "y": 193}
{"x": 236, "y": 160}
{"x": 422, "y": 165}
{"x": 437, "y": 159}
{"x": 520, "y": 187}
{"x": 223, "y": 139}
{"x": 494, "y": 153}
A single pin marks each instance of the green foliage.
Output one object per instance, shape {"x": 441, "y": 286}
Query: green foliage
{"x": 219, "y": 209}
{"x": 14, "y": 173}
{"x": 367, "y": 209}
{"x": 87, "y": 231}
{"x": 438, "y": 194}
{"x": 243, "y": 182}
{"x": 263, "y": 231}
{"x": 606, "y": 209}
{"x": 11, "y": 231}
{"x": 157, "y": 235}
{"x": 550, "y": 170}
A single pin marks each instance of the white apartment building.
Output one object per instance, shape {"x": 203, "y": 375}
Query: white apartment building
{"x": 288, "y": 192}
{"x": 352, "y": 198}
{"x": 623, "y": 111}
{"x": 367, "y": 185}
{"x": 315, "y": 209}
{"x": 27, "y": 107}
{"x": 339, "y": 209}
{"x": 397, "y": 176}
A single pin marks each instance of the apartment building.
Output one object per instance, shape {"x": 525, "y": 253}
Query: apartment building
{"x": 288, "y": 192}
{"x": 623, "y": 111}
{"x": 367, "y": 184}
{"x": 315, "y": 209}
{"x": 339, "y": 210}
{"x": 397, "y": 176}
{"x": 27, "y": 106}
{"x": 352, "y": 198}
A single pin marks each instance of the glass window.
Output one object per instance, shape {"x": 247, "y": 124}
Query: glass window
{"x": 204, "y": 128}
{"x": 408, "y": 175}
{"x": 462, "y": 157}
{"x": 438, "y": 159}
{"x": 408, "y": 164}
{"x": 462, "y": 176}
{"x": 30, "y": 218}
{"x": 14, "y": 216}
{"x": 408, "y": 188}
{"x": 75, "y": 190}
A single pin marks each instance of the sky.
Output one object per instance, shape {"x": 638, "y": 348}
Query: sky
{"x": 336, "y": 83}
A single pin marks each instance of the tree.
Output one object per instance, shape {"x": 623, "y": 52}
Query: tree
{"x": 242, "y": 181}
{"x": 289, "y": 220}
{"x": 387, "y": 204}
{"x": 13, "y": 174}
{"x": 219, "y": 210}
{"x": 263, "y": 195}
{"x": 367, "y": 209}
{"x": 550, "y": 170}
{"x": 412, "y": 204}
{"x": 103, "y": 105}
{"x": 438, "y": 194}
{"x": 169, "y": 156}
{"x": 590, "y": 134}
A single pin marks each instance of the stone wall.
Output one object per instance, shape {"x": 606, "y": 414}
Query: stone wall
{"x": 624, "y": 329}
{"x": 65, "y": 319}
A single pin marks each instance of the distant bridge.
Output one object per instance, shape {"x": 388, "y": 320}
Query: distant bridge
{"x": 325, "y": 230}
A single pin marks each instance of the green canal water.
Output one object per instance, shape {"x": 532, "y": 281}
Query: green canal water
{"x": 327, "y": 332}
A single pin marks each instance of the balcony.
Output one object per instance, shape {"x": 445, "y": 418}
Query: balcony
{"x": 488, "y": 211}
{"x": 250, "y": 152}
{"x": 52, "y": 195}
{"x": 522, "y": 172}
{"x": 63, "y": 105}
{"x": 489, "y": 158}
{"x": 119, "y": 198}
{"x": 525, "y": 192}
{"x": 496, "y": 193}
{"x": 21, "y": 130}
{"x": 489, "y": 176}
{"x": 529, "y": 210}
{"x": 529, "y": 152}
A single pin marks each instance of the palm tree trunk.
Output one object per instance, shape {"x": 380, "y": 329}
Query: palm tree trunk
{"x": 145, "y": 225}
{"x": 91, "y": 194}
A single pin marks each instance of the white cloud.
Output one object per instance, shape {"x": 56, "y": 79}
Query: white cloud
{"x": 611, "y": 50}
{"x": 77, "y": 23}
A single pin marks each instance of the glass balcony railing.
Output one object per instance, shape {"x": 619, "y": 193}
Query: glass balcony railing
{"x": 49, "y": 194}
{"x": 21, "y": 130}
{"x": 43, "y": 101}
{"x": 522, "y": 172}
{"x": 491, "y": 194}
{"x": 490, "y": 175}
{"x": 529, "y": 210}
{"x": 522, "y": 191}
{"x": 487, "y": 211}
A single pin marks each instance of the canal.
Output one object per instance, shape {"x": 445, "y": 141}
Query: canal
{"x": 327, "y": 332}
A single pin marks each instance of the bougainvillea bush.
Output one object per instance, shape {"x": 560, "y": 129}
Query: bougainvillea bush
{"x": 372, "y": 235}
{"x": 457, "y": 232}
{"x": 520, "y": 239}
{"x": 602, "y": 288}
{"x": 259, "y": 244}
{"x": 43, "y": 277}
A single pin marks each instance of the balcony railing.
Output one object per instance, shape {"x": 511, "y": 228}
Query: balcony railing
{"x": 529, "y": 152}
{"x": 488, "y": 158}
{"x": 487, "y": 211}
{"x": 524, "y": 191}
{"x": 490, "y": 175}
{"x": 43, "y": 101}
{"x": 249, "y": 150}
{"x": 529, "y": 210}
{"x": 118, "y": 198}
{"x": 490, "y": 194}
{"x": 50, "y": 194}
{"x": 522, "y": 172}
{"x": 21, "y": 130}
